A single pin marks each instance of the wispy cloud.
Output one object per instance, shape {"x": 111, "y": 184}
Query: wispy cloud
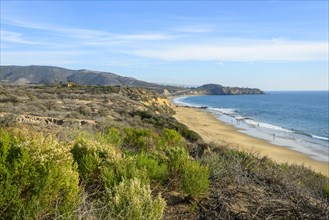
{"x": 14, "y": 37}
{"x": 247, "y": 51}
{"x": 168, "y": 46}
{"x": 87, "y": 34}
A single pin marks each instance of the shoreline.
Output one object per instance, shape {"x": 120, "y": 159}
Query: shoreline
{"x": 213, "y": 130}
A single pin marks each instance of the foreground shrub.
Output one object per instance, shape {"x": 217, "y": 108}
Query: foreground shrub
{"x": 172, "y": 138}
{"x": 136, "y": 139}
{"x": 156, "y": 170}
{"x": 91, "y": 153}
{"x": 176, "y": 158}
{"x": 113, "y": 136}
{"x": 326, "y": 190}
{"x": 131, "y": 200}
{"x": 37, "y": 179}
{"x": 194, "y": 179}
{"x": 123, "y": 169}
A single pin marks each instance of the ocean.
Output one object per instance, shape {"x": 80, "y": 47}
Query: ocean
{"x": 297, "y": 120}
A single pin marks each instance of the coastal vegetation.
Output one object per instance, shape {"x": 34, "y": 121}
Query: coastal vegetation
{"x": 103, "y": 152}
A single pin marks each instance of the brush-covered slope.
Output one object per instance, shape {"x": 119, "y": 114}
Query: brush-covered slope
{"x": 21, "y": 75}
{"x": 117, "y": 152}
{"x": 24, "y": 75}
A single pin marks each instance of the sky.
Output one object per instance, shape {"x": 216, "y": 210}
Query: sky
{"x": 271, "y": 45}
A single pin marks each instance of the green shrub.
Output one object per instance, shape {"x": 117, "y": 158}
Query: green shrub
{"x": 194, "y": 179}
{"x": 114, "y": 173}
{"x": 114, "y": 136}
{"x": 131, "y": 200}
{"x": 185, "y": 131}
{"x": 160, "y": 121}
{"x": 89, "y": 164}
{"x": 136, "y": 139}
{"x": 176, "y": 158}
{"x": 37, "y": 179}
{"x": 172, "y": 138}
{"x": 326, "y": 190}
{"x": 156, "y": 170}
{"x": 91, "y": 153}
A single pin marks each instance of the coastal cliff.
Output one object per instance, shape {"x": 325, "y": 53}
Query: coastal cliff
{"x": 216, "y": 89}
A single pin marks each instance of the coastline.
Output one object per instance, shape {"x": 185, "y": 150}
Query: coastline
{"x": 216, "y": 131}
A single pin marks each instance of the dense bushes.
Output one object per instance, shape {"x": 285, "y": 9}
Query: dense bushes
{"x": 156, "y": 169}
{"x": 136, "y": 139}
{"x": 91, "y": 152}
{"x": 37, "y": 179}
{"x": 194, "y": 172}
{"x": 132, "y": 200}
{"x": 94, "y": 176}
{"x": 167, "y": 122}
{"x": 114, "y": 173}
{"x": 41, "y": 177}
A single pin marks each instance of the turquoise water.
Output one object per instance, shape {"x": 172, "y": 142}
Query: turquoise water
{"x": 298, "y": 120}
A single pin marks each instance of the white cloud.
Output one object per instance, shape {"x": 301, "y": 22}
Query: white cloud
{"x": 13, "y": 37}
{"x": 93, "y": 35}
{"x": 246, "y": 51}
{"x": 170, "y": 46}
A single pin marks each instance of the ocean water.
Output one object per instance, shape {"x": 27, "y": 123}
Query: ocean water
{"x": 297, "y": 120}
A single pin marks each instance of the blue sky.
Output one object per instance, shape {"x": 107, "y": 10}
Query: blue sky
{"x": 272, "y": 45}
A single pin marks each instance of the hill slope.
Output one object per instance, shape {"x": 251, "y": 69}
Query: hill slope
{"x": 21, "y": 75}
{"x": 24, "y": 75}
{"x": 98, "y": 141}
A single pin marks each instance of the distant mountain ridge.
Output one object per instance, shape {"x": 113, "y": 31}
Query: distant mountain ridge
{"x": 22, "y": 75}
{"x": 25, "y": 75}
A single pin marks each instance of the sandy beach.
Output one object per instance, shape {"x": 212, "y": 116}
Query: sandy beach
{"x": 213, "y": 130}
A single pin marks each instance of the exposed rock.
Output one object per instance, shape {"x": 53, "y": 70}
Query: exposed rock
{"x": 31, "y": 119}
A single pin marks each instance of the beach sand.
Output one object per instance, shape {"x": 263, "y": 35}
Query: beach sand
{"x": 213, "y": 130}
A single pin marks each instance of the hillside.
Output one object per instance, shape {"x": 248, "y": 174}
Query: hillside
{"x": 128, "y": 158}
{"x": 37, "y": 75}
{"x": 23, "y": 75}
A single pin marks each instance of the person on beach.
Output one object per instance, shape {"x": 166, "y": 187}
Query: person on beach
{"x": 273, "y": 136}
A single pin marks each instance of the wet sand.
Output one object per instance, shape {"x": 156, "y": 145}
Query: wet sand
{"x": 213, "y": 130}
